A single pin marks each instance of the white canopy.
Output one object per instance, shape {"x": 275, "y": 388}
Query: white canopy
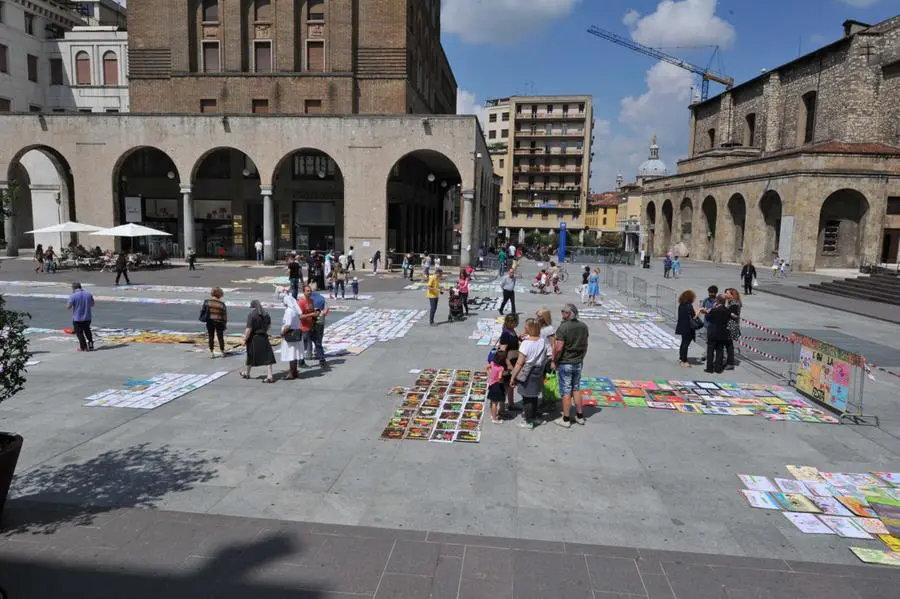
{"x": 131, "y": 230}
{"x": 66, "y": 227}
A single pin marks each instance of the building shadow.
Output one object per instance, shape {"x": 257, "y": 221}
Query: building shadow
{"x": 49, "y": 497}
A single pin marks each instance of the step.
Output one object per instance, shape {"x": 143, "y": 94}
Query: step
{"x": 881, "y": 295}
{"x": 866, "y": 284}
{"x": 870, "y": 287}
{"x": 854, "y": 294}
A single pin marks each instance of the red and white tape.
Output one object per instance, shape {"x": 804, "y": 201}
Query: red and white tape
{"x": 771, "y": 331}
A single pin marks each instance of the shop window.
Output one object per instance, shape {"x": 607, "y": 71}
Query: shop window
{"x": 110, "y": 68}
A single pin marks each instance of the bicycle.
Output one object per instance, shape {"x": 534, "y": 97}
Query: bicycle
{"x": 563, "y": 274}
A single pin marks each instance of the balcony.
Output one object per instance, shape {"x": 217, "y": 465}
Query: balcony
{"x": 551, "y": 169}
{"x": 552, "y": 188}
{"x": 542, "y": 205}
{"x": 551, "y": 116}
{"x": 548, "y": 134}
{"x": 528, "y": 151}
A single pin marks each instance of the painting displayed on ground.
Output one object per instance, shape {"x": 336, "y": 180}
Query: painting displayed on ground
{"x": 151, "y": 393}
{"x": 772, "y": 402}
{"x": 644, "y": 335}
{"x": 443, "y": 406}
{"x": 474, "y": 287}
{"x": 487, "y": 330}
{"x": 485, "y": 303}
{"x": 862, "y": 506}
{"x": 825, "y": 372}
{"x": 181, "y": 301}
{"x": 41, "y": 284}
{"x": 359, "y": 331}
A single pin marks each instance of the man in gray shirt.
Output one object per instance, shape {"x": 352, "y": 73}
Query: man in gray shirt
{"x": 569, "y": 351}
{"x": 508, "y": 285}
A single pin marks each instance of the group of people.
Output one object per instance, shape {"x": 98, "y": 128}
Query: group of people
{"x": 323, "y": 270}
{"x": 520, "y": 362}
{"x": 720, "y": 317}
{"x": 547, "y": 278}
{"x": 671, "y": 266}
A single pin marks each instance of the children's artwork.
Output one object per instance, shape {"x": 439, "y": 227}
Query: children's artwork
{"x": 794, "y": 502}
{"x": 805, "y": 473}
{"x": 831, "y": 506}
{"x": 152, "y": 393}
{"x": 892, "y": 542}
{"x": 808, "y": 524}
{"x": 757, "y": 483}
{"x": 876, "y": 556}
{"x": 485, "y": 303}
{"x": 889, "y": 513}
{"x": 487, "y": 331}
{"x": 789, "y": 485}
{"x": 892, "y": 478}
{"x": 366, "y": 327}
{"x": 872, "y": 525}
{"x": 824, "y": 372}
{"x": 820, "y": 489}
{"x": 760, "y": 499}
{"x": 167, "y": 301}
{"x": 177, "y": 289}
{"x": 644, "y": 335}
{"x": 858, "y": 506}
{"x": 845, "y": 527}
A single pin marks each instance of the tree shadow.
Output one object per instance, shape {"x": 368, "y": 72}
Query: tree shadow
{"x": 135, "y": 477}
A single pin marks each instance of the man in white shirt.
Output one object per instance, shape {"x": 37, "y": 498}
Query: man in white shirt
{"x": 512, "y": 252}
{"x": 259, "y": 250}
{"x": 342, "y": 259}
{"x": 350, "y": 262}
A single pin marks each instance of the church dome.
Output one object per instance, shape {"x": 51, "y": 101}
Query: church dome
{"x": 653, "y": 166}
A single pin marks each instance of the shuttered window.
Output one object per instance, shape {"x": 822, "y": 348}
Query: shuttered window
{"x": 82, "y": 69}
{"x": 210, "y": 57}
{"x": 262, "y": 57}
{"x": 315, "y": 57}
{"x": 110, "y": 69}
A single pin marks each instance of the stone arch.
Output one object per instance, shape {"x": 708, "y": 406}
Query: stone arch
{"x": 667, "y": 223}
{"x": 651, "y": 227}
{"x": 842, "y": 221}
{"x": 708, "y": 241}
{"x": 145, "y": 183}
{"x": 770, "y": 206}
{"x": 424, "y": 203}
{"x": 308, "y": 192}
{"x": 44, "y": 196}
{"x": 686, "y": 225}
{"x": 736, "y": 219}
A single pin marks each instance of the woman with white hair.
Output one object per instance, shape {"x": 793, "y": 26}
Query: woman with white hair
{"x": 291, "y": 335}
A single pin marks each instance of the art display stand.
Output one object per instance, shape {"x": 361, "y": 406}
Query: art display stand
{"x": 830, "y": 376}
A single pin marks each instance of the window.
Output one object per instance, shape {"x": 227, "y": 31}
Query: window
{"x": 492, "y": 118}
{"x": 505, "y": 117}
{"x": 56, "y": 71}
{"x": 210, "y": 57}
{"x": 82, "y": 69}
{"x": 1, "y": 12}
{"x": 315, "y": 56}
{"x": 208, "y": 105}
{"x": 111, "y": 110}
{"x": 87, "y": 110}
{"x": 262, "y": 57}
{"x": 29, "y": 23}
{"x": 59, "y": 110}
{"x": 260, "y": 106}
{"x": 750, "y": 130}
{"x": 604, "y": 220}
{"x": 529, "y": 215}
{"x": 5, "y": 105}
{"x": 604, "y": 213}
{"x": 315, "y": 10}
{"x": 32, "y": 68}
{"x": 504, "y": 133}
{"x": 110, "y": 68}
{"x": 312, "y": 106}
{"x": 210, "y": 11}
{"x": 4, "y": 63}
{"x": 34, "y": 108}
{"x": 549, "y": 108}
{"x": 581, "y": 108}
{"x": 501, "y": 163}
{"x": 807, "y": 124}
{"x": 711, "y": 134}
{"x": 262, "y": 11}
{"x": 492, "y": 134}
{"x": 893, "y": 206}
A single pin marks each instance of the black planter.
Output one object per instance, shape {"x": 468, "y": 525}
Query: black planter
{"x": 10, "y": 447}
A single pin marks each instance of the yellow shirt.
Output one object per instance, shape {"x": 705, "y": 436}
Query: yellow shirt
{"x": 434, "y": 287}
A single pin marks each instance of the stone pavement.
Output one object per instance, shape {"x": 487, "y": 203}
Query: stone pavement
{"x": 50, "y": 552}
{"x": 309, "y": 452}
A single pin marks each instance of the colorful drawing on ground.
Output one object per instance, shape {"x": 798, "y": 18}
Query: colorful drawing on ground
{"x": 824, "y": 372}
{"x": 232, "y": 304}
{"x": 474, "y": 287}
{"x": 485, "y": 303}
{"x": 834, "y": 503}
{"x": 151, "y": 393}
{"x": 359, "y": 331}
{"x": 443, "y": 406}
{"x": 35, "y": 284}
{"x": 487, "y": 331}
{"x": 644, "y": 335}
{"x": 772, "y": 402}
{"x": 178, "y": 289}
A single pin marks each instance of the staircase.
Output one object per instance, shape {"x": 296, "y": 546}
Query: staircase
{"x": 881, "y": 287}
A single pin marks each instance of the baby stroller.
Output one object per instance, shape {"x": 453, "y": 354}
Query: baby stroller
{"x": 456, "y": 306}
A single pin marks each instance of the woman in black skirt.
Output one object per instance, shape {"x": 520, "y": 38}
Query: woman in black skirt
{"x": 256, "y": 338}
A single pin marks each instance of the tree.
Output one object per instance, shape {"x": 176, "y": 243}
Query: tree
{"x": 7, "y": 197}
{"x": 13, "y": 351}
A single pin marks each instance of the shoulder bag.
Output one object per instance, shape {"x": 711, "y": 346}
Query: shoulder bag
{"x": 292, "y": 336}
{"x": 204, "y": 312}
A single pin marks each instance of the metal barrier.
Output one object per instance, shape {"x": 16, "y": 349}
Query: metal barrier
{"x": 609, "y": 275}
{"x": 667, "y": 303}
{"x": 622, "y": 282}
{"x": 639, "y": 290}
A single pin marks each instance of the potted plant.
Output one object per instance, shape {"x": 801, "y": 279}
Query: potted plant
{"x": 14, "y": 355}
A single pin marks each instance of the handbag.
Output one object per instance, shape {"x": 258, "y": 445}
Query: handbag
{"x": 204, "y": 312}
{"x": 524, "y": 373}
{"x": 292, "y": 336}
{"x": 697, "y": 323}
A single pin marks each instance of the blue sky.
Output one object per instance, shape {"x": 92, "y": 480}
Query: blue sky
{"x": 503, "y": 47}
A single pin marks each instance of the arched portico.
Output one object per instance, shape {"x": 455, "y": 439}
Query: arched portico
{"x": 667, "y": 225}
{"x": 707, "y": 240}
{"x": 735, "y": 226}
{"x": 842, "y": 223}
{"x": 651, "y": 228}
{"x": 686, "y": 224}
{"x": 770, "y": 207}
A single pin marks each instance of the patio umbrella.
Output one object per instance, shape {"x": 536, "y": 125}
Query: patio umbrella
{"x": 66, "y": 227}
{"x": 131, "y": 230}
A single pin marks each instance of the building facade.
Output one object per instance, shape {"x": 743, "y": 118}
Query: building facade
{"x": 541, "y": 147}
{"x": 801, "y": 162}
{"x": 631, "y": 195}
{"x": 602, "y": 213}
{"x": 89, "y": 70}
{"x": 289, "y": 57}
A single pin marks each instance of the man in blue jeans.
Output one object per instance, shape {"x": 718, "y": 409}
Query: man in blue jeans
{"x": 80, "y": 303}
{"x": 569, "y": 351}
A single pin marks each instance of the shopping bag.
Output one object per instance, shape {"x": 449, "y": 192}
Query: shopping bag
{"x": 755, "y": 283}
{"x": 550, "y": 392}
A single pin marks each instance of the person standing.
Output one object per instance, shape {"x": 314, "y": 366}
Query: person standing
{"x": 318, "y": 332}
{"x": 481, "y": 258}
{"x": 748, "y": 274}
{"x": 667, "y": 266}
{"x": 433, "y": 292}
{"x": 734, "y": 305}
{"x": 294, "y": 276}
{"x": 350, "y": 261}
{"x": 338, "y": 280}
{"x": 528, "y": 371}
{"x": 256, "y": 339}
{"x": 50, "y": 260}
{"x": 512, "y": 251}
{"x": 508, "y": 287}
{"x": 462, "y": 285}
{"x": 291, "y": 337}
{"x": 307, "y": 322}
{"x": 375, "y": 260}
{"x": 685, "y": 325}
{"x": 569, "y": 350}
{"x": 215, "y": 314}
{"x": 122, "y": 268}
{"x": 81, "y": 303}
{"x": 405, "y": 266}
{"x": 342, "y": 260}
{"x": 191, "y": 259}
{"x": 39, "y": 257}
{"x": 676, "y": 267}
{"x": 259, "y": 250}
{"x": 501, "y": 260}
{"x": 717, "y": 336}
{"x": 593, "y": 287}
{"x": 707, "y": 304}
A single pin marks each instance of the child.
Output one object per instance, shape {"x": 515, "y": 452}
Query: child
{"x": 676, "y": 267}
{"x": 584, "y": 283}
{"x": 497, "y": 381}
{"x": 191, "y": 258}
{"x": 405, "y": 265}
{"x": 354, "y": 286}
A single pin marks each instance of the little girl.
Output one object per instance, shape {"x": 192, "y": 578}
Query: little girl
{"x": 497, "y": 375}
{"x": 462, "y": 285}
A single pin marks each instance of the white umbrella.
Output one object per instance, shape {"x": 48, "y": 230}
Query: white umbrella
{"x": 66, "y": 227}
{"x": 131, "y": 230}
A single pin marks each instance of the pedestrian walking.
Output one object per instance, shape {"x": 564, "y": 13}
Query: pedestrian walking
{"x": 256, "y": 339}
{"x": 748, "y": 276}
{"x": 338, "y": 280}
{"x": 191, "y": 259}
{"x": 501, "y": 260}
{"x": 433, "y": 292}
{"x": 569, "y": 351}
{"x": 375, "y": 260}
{"x": 39, "y": 257}
{"x": 350, "y": 261}
{"x": 481, "y": 258}
{"x": 508, "y": 287}
{"x": 291, "y": 349}
{"x": 259, "y": 250}
{"x": 215, "y": 315}
{"x": 717, "y": 336}
{"x": 81, "y": 303}
{"x": 585, "y": 277}
{"x": 295, "y": 275}
{"x": 122, "y": 268}
{"x": 687, "y": 325}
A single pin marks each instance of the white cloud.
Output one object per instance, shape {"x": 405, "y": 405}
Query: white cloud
{"x": 467, "y": 103}
{"x": 681, "y": 23}
{"x": 500, "y": 21}
{"x": 860, "y": 3}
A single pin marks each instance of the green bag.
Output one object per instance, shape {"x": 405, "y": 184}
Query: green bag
{"x": 550, "y": 392}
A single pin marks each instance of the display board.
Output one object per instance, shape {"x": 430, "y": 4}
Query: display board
{"x": 828, "y": 374}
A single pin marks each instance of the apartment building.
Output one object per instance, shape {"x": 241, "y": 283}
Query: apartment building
{"x": 541, "y": 147}
{"x": 289, "y": 57}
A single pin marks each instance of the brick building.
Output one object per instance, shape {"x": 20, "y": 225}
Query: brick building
{"x": 289, "y": 57}
{"x": 801, "y": 161}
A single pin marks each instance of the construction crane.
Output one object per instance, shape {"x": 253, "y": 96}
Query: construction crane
{"x": 705, "y": 73}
